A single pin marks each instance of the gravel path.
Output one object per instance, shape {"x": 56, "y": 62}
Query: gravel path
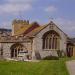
{"x": 71, "y": 67}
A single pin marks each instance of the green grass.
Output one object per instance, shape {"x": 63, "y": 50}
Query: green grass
{"x": 51, "y": 67}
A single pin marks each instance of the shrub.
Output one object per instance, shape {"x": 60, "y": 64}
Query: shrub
{"x": 51, "y": 58}
{"x": 59, "y": 53}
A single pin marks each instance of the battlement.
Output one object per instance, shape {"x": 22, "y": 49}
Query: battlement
{"x": 18, "y": 24}
{"x": 22, "y": 22}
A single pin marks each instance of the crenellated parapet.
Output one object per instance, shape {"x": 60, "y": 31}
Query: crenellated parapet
{"x": 18, "y": 24}
{"x": 22, "y": 22}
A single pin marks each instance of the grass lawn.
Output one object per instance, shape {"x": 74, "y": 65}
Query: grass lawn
{"x": 51, "y": 67}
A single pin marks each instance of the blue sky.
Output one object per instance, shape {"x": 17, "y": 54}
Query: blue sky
{"x": 42, "y": 11}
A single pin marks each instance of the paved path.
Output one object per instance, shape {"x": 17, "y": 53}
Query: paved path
{"x": 71, "y": 67}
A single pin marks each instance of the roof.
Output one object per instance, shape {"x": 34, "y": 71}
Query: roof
{"x": 3, "y": 29}
{"x": 72, "y": 40}
{"x": 61, "y": 30}
{"x": 32, "y": 32}
{"x": 23, "y": 29}
{"x": 37, "y": 30}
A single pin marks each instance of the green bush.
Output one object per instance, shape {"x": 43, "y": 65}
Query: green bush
{"x": 51, "y": 58}
{"x": 59, "y": 53}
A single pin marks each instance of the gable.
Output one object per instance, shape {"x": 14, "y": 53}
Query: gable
{"x": 43, "y": 29}
{"x": 52, "y": 26}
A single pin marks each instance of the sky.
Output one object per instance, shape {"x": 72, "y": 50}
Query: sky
{"x": 61, "y": 12}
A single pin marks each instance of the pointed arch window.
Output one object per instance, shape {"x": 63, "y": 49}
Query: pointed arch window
{"x": 51, "y": 40}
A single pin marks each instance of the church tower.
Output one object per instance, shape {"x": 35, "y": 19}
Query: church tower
{"x": 17, "y": 24}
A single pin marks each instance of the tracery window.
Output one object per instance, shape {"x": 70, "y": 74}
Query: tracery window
{"x": 51, "y": 40}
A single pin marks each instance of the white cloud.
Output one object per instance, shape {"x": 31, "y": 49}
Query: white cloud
{"x": 68, "y": 26}
{"x": 50, "y": 9}
{"x": 14, "y": 8}
{"x": 19, "y": 1}
{"x": 55, "y": 0}
{"x": 6, "y": 24}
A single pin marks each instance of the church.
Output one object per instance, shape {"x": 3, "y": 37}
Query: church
{"x": 32, "y": 41}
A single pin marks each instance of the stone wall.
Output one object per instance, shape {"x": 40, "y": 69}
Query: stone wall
{"x": 18, "y": 24}
{"x": 6, "y": 48}
{"x": 37, "y": 47}
{"x": 74, "y": 50}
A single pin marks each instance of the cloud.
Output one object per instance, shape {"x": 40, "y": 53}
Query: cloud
{"x": 54, "y": 0}
{"x": 50, "y": 9}
{"x": 6, "y": 24}
{"x": 68, "y": 26}
{"x": 19, "y": 1}
{"x": 14, "y": 8}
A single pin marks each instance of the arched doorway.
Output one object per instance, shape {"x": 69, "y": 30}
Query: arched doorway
{"x": 15, "y": 49}
{"x": 51, "y": 40}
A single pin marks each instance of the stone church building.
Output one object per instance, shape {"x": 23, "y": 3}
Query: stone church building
{"x": 30, "y": 41}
